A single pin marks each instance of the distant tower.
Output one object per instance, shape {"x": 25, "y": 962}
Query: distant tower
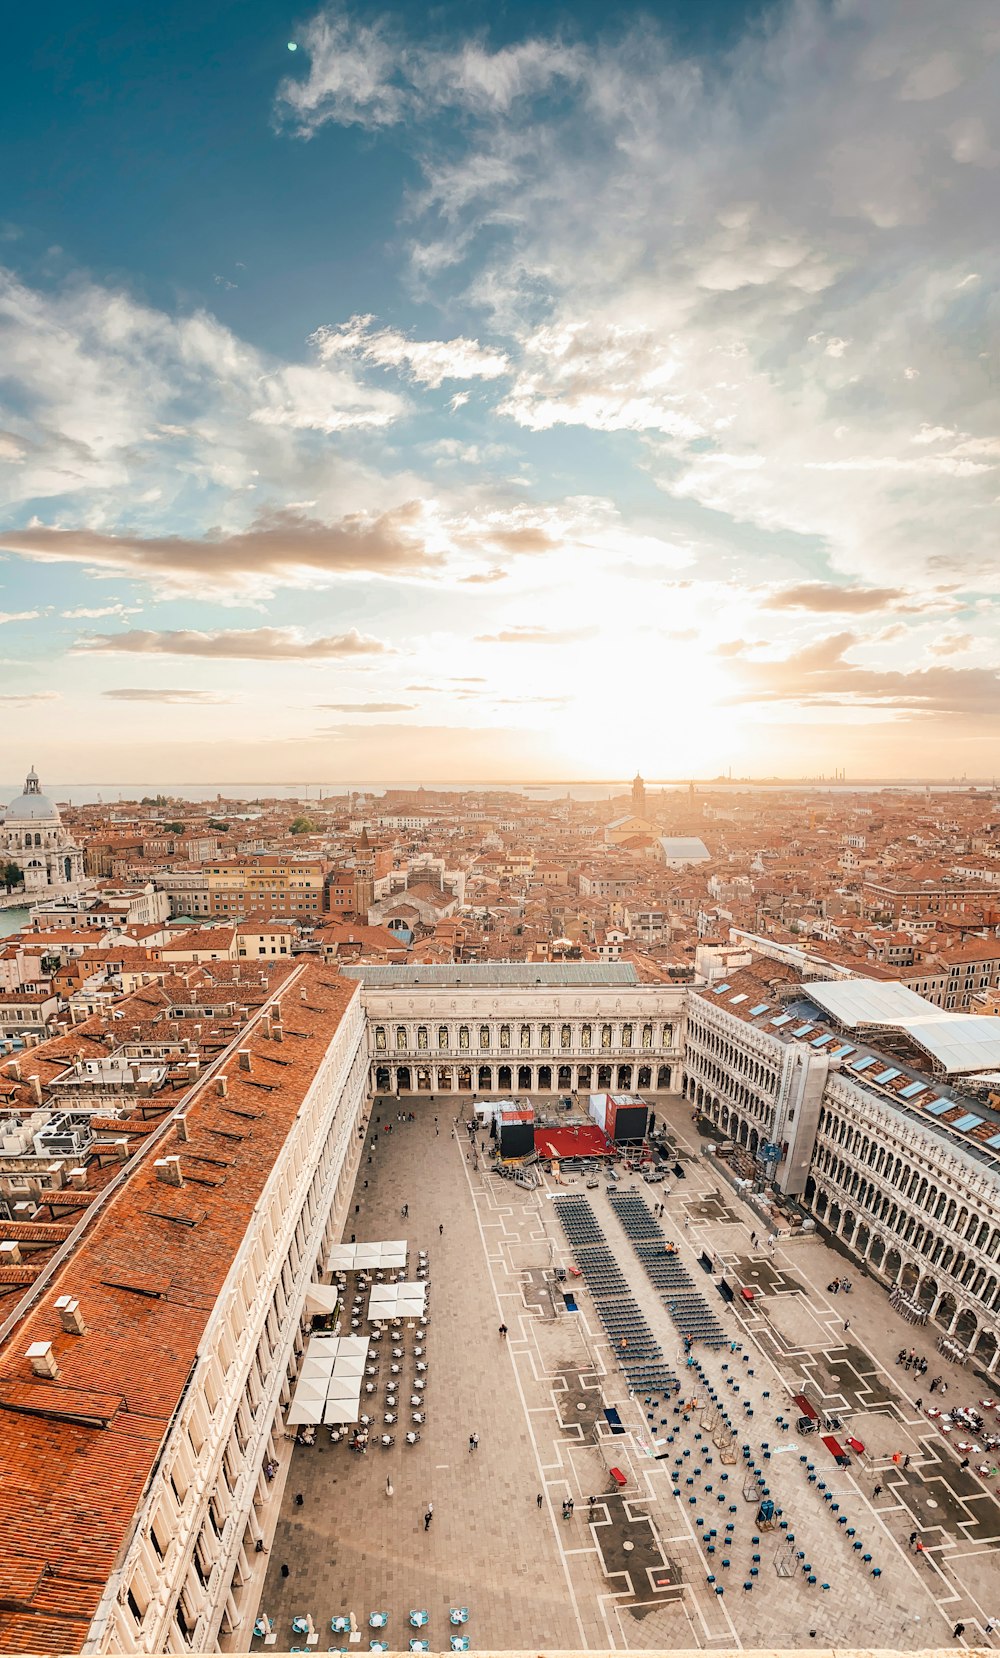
{"x": 638, "y": 796}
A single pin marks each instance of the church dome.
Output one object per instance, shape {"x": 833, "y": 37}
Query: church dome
{"x": 32, "y": 806}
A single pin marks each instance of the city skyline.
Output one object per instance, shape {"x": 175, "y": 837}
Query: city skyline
{"x": 500, "y": 396}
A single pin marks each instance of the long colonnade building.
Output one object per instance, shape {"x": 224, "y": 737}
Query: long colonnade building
{"x": 520, "y": 1027}
{"x": 869, "y": 1106}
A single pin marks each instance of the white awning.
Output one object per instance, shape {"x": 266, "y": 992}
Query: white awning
{"x": 322, "y": 1298}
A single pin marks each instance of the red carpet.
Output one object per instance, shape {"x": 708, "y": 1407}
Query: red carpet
{"x": 586, "y": 1140}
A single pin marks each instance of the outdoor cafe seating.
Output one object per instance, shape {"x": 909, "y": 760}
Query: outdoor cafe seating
{"x": 419, "y": 1619}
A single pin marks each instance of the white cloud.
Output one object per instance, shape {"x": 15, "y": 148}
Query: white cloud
{"x": 102, "y": 394}
{"x": 364, "y": 74}
{"x": 660, "y": 244}
{"x": 429, "y": 361}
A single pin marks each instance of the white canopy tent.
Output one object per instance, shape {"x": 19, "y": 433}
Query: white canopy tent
{"x": 368, "y": 1257}
{"x": 406, "y": 1300}
{"x": 329, "y": 1384}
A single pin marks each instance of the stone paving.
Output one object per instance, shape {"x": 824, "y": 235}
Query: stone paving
{"x": 633, "y": 1571}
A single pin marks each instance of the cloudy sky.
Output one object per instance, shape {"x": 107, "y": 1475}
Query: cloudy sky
{"x": 498, "y": 392}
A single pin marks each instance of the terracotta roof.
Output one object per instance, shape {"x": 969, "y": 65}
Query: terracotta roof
{"x": 70, "y": 1479}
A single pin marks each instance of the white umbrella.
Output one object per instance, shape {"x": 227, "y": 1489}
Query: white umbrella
{"x": 341, "y": 1410}
{"x": 345, "y": 1365}
{"x": 315, "y": 1365}
{"x": 308, "y": 1410}
{"x": 343, "y": 1387}
{"x": 353, "y": 1347}
{"x": 315, "y": 1390}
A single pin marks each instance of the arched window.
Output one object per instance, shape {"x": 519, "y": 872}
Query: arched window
{"x": 422, "y": 1037}
{"x": 380, "y": 1038}
{"x": 484, "y": 1036}
{"x": 505, "y": 1036}
{"x": 463, "y": 1036}
{"x": 442, "y": 1036}
{"x": 38, "y": 839}
{"x": 400, "y": 1036}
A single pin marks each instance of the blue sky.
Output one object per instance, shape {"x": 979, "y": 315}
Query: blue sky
{"x": 499, "y": 391}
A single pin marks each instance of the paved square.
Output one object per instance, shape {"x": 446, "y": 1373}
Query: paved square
{"x": 641, "y": 1567}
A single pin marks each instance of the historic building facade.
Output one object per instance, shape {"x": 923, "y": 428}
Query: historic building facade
{"x": 520, "y": 1028}
{"x": 917, "y": 1207}
{"x": 33, "y": 837}
{"x": 184, "y": 1582}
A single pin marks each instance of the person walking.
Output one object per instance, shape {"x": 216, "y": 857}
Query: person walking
{"x": 906, "y": 1460}
{"x": 877, "y": 1492}
{"x": 441, "y": 1229}
{"x": 539, "y": 1500}
{"x": 405, "y": 1210}
{"x": 428, "y": 1517}
{"x": 473, "y": 1442}
{"x": 958, "y": 1632}
{"x": 847, "y": 1325}
{"x": 284, "y": 1570}
{"x": 299, "y": 1499}
{"x": 503, "y": 1332}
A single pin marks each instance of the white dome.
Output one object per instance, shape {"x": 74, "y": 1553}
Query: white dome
{"x": 32, "y": 806}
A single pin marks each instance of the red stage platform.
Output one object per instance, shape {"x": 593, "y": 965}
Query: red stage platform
{"x": 583, "y": 1140}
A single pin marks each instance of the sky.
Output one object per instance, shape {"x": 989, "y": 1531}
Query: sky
{"x": 493, "y": 392}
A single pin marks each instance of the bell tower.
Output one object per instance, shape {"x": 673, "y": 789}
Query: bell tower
{"x": 638, "y": 796}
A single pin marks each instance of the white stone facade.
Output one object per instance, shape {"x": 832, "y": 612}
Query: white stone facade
{"x": 921, "y": 1213}
{"x": 32, "y": 836}
{"x": 526, "y": 1040}
{"x": 181, "y": 1584}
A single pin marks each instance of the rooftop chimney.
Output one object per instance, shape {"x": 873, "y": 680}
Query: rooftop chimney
{"x": 77, "y": 1178}
{"x": 246, "y": 1059}
{"x": 10, "y": 1255}
{"x": 222, "y": 1085}
{"x": 181, "y": 1123}
{"x": 43, "y": 1360}
{"x": 36, "y": 1089}
{"x": 168, "y": 1169}
{"x": 70, "y": 1316}
{"x": 14, "y": 1069}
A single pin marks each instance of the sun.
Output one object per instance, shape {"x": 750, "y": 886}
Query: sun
{"x": 664, "y": 716}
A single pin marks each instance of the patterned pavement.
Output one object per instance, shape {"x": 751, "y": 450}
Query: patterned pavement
{"x": 632, "y": 1572}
